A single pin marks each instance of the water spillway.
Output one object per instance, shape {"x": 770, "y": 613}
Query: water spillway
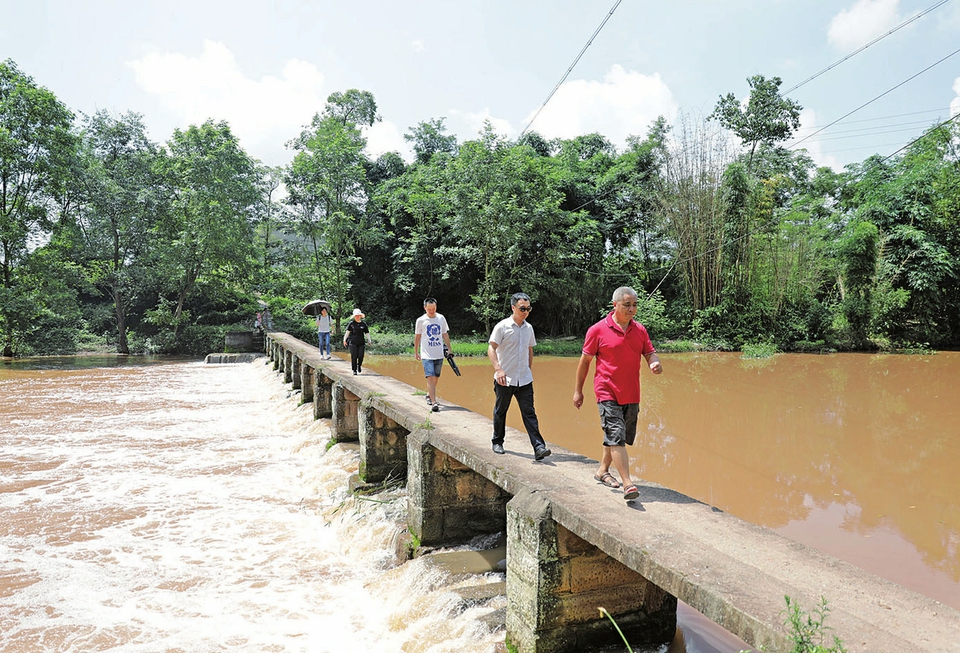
{"x": 167, "y": 505}
{"x": 573, "y": 545}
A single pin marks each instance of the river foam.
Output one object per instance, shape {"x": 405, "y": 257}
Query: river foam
{"x": 191, "y": 507}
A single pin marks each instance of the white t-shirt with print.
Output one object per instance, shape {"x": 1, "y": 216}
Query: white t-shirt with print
{"x": 431, "y": 330}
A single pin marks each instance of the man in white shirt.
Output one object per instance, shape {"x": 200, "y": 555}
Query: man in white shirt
{"x": 430, "y": 335}
{"x": 510, "y": 349}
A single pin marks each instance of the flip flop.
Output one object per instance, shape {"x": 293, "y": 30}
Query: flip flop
{"x": 607, "y": 479}
{"x": 630, "y": 492}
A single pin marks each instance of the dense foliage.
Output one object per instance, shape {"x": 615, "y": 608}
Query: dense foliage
{"x": 108, "y": 239}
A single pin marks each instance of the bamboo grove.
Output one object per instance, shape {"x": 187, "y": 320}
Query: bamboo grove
{"x": 108, "y": 239}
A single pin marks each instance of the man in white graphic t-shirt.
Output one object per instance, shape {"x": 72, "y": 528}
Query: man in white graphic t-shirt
{"x": 431, "y": 335}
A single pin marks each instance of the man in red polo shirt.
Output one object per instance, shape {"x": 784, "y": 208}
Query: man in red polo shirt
{"x": 618, "y": 342}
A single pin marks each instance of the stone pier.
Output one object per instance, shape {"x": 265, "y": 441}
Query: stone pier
{"x": 560, "y": 581}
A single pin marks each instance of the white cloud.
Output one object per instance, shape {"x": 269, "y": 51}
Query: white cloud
{"x": 865, "y": 20}
{"x": 624, "y": 103}
{"x": 262, "y": 113}
{"x": 472, "y": 124}
{"x": 955, "y": 102}
{"x": 814, "y": 147}
{"x": 385, "y": 137}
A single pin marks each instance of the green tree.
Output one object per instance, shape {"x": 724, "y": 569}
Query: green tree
{"x": 36, "y": 147}
{"x": 268, "y": 213}
{"x": 627, "y": 195}
{"x": 767, "y": 117}
{"x": 911, "y": 199}
{"x": 430, "y": 137}
{"x": 121, "y": 203}
{"x": 692, "y": 206}
{"x": 416, "y": 208}
{"x": 208, "y": 231}
{"x": 327, "y": 185}
{"x": 352, "y": 107}
{"x": 859, "y": 249}
{"x": 505, "y": 222}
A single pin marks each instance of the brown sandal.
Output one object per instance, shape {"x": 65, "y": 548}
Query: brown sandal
{"x": 607, "y": 479}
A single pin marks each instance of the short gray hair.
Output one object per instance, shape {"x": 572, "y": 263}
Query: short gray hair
{"x": 622, "y": 292}
{"x": 519, "y": 296}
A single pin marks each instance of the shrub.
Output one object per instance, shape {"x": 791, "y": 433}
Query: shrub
{"x": 759, "y": 350}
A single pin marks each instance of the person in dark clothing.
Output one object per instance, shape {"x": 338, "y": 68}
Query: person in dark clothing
{"x": 355, "y": 336}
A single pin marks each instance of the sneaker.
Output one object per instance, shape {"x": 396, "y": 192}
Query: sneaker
{"x": 436, "y": 408}
{"x": 541, "y": 453}
{"x": 498, "y": 448}
{"x": 427, "y": 397}
{"x": 354, "y": 372}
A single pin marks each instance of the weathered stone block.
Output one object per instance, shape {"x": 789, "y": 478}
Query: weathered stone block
{"x": 383, "y": 452}
{"x": 569, "y": 543}
{"x": 595, "y": 569}
{"x": 295, "y": 373}
{"x": 306, "y": 384}
{"x": 322, "y": 395}
{"x": 555, "y": 587}
{"x": 345, "y": 426}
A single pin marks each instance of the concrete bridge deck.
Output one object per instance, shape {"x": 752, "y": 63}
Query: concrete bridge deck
{"x": 735, "y": 573}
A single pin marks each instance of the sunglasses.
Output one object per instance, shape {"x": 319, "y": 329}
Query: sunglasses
{"x": 525, "y": 309}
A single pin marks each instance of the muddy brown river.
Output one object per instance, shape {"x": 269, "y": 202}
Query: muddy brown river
{"x": 857, "y": 455}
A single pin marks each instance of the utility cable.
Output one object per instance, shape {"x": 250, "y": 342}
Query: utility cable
{"x": 923, "y": 135}
{"x": 889, "y": 90}
{"x": 570, "y": 69}
{"x": 864, "y": 47}
{"x": 895, "y": 115}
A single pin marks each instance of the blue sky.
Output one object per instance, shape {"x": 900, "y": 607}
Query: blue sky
{"x": 267, "y": 67}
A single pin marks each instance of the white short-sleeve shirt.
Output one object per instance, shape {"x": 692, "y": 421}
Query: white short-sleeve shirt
{"x": 431, "y": 330}
{"x": 513, "y": 349}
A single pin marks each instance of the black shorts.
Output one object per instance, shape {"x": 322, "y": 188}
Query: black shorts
{"x": 619, "y": 423}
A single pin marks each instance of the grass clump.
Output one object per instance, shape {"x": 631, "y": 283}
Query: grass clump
{"x": 758, "y": 350}
{"x": 808, "y": 630}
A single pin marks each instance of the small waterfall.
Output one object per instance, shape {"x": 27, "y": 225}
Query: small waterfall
{"x": 192, "y": 507}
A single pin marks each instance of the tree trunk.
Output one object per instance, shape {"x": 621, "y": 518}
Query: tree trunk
{"x": 122, "y": 346}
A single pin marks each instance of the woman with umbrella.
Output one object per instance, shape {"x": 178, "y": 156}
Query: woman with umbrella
{"x": 323, "y": 332}
{"x": 321, "y": 309}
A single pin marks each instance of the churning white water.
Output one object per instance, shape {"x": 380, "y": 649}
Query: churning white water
{"x": 185, "y": 507}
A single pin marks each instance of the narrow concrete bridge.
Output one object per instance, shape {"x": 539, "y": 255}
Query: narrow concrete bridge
{"x": 574, "y": 546}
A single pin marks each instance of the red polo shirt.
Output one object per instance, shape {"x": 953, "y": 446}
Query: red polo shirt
{"x": 619, "y": 355}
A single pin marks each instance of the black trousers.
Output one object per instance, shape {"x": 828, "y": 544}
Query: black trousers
{"x": 524, "y": 395}
{"x": 356, "y": 357}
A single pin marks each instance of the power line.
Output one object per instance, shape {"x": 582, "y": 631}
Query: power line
{"x": 895, "y": 115}
{"x": 888, "y": 125}
{"x": 923, "y": 135}
{"x": 570, "y": 69}
{"x": 835, "y": 136}
{"x": 914, "y": 76}
{"x": 864, "y": 47}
